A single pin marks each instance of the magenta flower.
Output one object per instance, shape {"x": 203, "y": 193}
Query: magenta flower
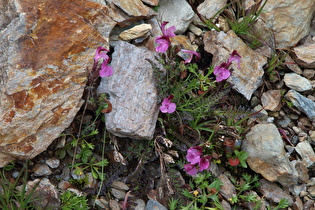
{"x": 222, "y": 72}
{"x": 191, "y": 169}
{"x": 204, "y": 163}
{"x": 167, "y": 106}
{"x": 191, "y": 54}
{"x": 101, "y": 54}
{"x": 193, "y": 154}
{"x": 164, "y": 41}
{"x": 106, "y": 70}
{"x": 235, "y": 57}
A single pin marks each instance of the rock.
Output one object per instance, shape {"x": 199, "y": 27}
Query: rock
{"x": 46, "y": 49}
{"x": 284, "y": 122}
{"x": 64, "y": 185}
{"x": 136, "y": 32}
{"x": 297, "y": 82}
{"x": 119, "y": 194}
{"x": 290, "y": 28}
{"x": 309, "y": 73}
{"x": 209, "y": 8}
{"x": 266, "y": 155}
{"x": 197, "y": 31}
{"x": 306, "y": 151}
{"x": 48, "y": 194}
{"x": 132, "y": 93}
{"x": 290, "y": 63}
{"x": 154, "y": 205}
{"x": 305, "y": 54}
{"x": 310, "y": 204}
{"x": 273, "y": 192}
{"x": 41, "y": 170}
{"x": 53, "y": 162}
{"x": 226, "y": 205}
{"x": 102, "y": 203}
{"x": 139, "y": 204}
{"x": 134, "y": 8}
{"x": 151, "y": 2}
{"x": 120, "y": 185}
{"x": 298, "y": 204}
{"x": 297, "y": 189}
{"x": 271, "y": 100}
{"x": 302, "y": 170}
{"x": 177, "y": 12}
{"x": 302, "y": 103}
{"x": 114, "y": 205}
{"x": 245, "y": 80}
{"x": 227, "y": 190}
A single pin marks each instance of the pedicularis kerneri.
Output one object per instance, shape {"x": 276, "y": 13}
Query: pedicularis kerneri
{"x": 101, "y": 53}
{"x": 197, "y": 160}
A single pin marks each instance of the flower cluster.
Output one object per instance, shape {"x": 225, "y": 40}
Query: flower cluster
{"x": 222, "y": 71}
{"x": 163, "y": 44}
{"x": 101, "y": 53}
{"x": 198, "y": 162}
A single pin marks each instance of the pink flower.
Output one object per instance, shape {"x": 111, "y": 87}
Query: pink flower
{"x": 193, "y": 154}
{"x": 235, "y": 57}
{"x": 222, "y": 72}
{"x": 191, "y": 169}
{"x": 204, "y": 163}
{"x": 164, "y": 41}
{"x": 167, "y": 106}
{"x": 106, "y": 70}
{"x": 191, "y": 54}
{"x": 101, "y": 54}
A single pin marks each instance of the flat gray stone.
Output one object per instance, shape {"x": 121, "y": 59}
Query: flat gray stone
{"x": 132, "y": 93}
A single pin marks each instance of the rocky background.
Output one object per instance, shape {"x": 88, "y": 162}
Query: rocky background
{"x": 48, "y": 46}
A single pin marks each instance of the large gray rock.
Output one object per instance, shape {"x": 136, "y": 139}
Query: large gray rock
{"x": 266, "y": 155}
{"x": 286, "y": 19}
{"x": 177, "y": 12}
{"x": 245, "y": 80}
{"x": 45, "y": 48}
{"x": 132, "y": 93}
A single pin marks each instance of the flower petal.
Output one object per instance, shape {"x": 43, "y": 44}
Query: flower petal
{"x": 204, "y": 163}
{"x": 190, "y": 169}
{"x": 106, "y": 71}
{"x": 100, "y": 54}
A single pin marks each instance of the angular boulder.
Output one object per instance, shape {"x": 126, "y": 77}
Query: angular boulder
{"x": 46, "y": 47}
{"x": 266, "y": 155}
{"x": 132, "y": 92}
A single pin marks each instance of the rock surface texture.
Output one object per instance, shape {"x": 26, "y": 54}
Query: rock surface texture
{"x": 266, "y": 155}
{"x": 245, "y": 80}
{"x": 277, "y": 13}
{"x": 46, "y": 47}
{"x": 132, "y": 93}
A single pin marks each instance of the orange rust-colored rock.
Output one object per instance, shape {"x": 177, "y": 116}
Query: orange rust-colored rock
{"x": 47, "y": 48}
